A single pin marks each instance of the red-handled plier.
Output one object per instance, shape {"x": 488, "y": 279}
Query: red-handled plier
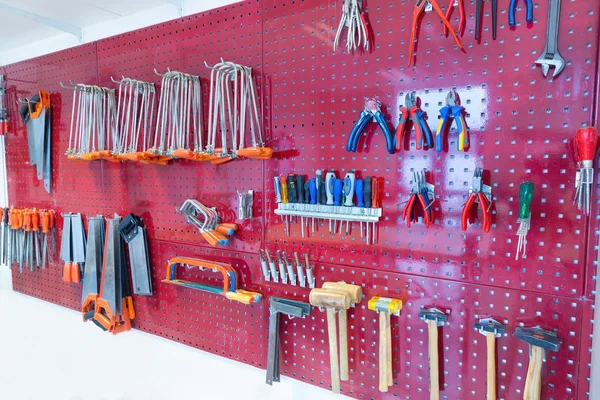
{"x": 477, "y": 194}
{"x": 462, "y": 19}
{"x": 418, "y": 10}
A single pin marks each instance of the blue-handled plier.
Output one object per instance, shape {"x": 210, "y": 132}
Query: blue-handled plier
{"x": 453, "y": 109}
{"x": 511, "y": 11}
{"x": 372, "y": 111}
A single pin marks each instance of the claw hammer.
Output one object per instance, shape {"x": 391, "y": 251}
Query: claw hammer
{"x": 491, "y": 329}
{"x": 434, "y": 319}
{"x": 539, "y": 342}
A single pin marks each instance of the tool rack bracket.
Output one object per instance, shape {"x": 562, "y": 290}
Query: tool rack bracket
{"x": 473, "y": 273}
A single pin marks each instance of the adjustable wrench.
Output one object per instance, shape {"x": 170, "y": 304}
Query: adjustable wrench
{"x": 551, "y": 57}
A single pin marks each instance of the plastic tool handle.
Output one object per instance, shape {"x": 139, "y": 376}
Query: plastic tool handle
{"x": 307, "y": 192}
{"x": 494, "y": 19}
{"x": 586, "y": 142}
{"x": 284, "y": 190}
{"x": 389, "y": 136}
{"x": 337, "y": 192}
{"x": 359, "y": 188}
{"x": 367, "y": 190}
{"x": 329, "y": 182}
{"x": 292, "y": 191}
{"x": 300, "y": 188}
{"x": 439, "y": 133}
{"x": 375, "y": 193}
{"x": 357, "y": 130}
{"x": 277, "y": 183}
{"x": 312, "y": 188}
{"x": 525, "y": 196}
{"x": 349, "y": 183}
{"x": 529, "y": 5}
{"x": 477, "y": 18}
{"x": 401, "y": 127}
{"x": 461, "y": 127}
{"x": 511, "y": 12}
{"x": 318, "y": 185}
{"x": 425, "y": 128}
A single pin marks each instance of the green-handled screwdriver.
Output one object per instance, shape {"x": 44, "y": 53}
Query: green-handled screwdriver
{"x": 524, "y": 221}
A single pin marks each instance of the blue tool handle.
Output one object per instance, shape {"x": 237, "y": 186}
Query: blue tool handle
{"x": 511, "y": 12}
{"x": 337, "y": 192}
{"x": 312, "y": 187}
{"x": 529, "y": 5}
{"x": 359, "y": 189}
{"x": 360, "y": 125}
{"x": 424, "y": 128}
{"x": 389, "y": 137}
{"x": 439, "y": 134}
{"x": 461, "y": 127}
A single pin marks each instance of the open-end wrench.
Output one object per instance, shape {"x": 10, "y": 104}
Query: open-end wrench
{"x": 551, "y": 57}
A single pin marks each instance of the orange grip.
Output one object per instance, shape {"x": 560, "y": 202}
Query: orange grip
{"x": 185, "y": 154}
{"x": 219, "y": 236}
{"x": 52, "y": 218}
{"x": 75, "y": 273}
{"x": 35, "y": 221}
{"x": 211, "y": 239}
{"x": 221, "y": 160}
{"x": 224, "y": 230}
{"x": 27, "y": 220}
{"x": 103, "y": 314}
{"x": 45, "y": 217}
{"x": 375, "y": 193}
{"x": 89, "y": 304}
{"x": 67, "y": 272}
{"x": 20, "y": 218}
{"x": 92, "y": 156}
{"x": 261, "y": 153}
{"x": 230, "y": 226}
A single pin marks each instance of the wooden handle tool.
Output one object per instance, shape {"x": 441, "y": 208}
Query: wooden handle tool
{"x": 491, "y": 329}
{"x": 385, "y": 307}
{"x": 333, "y": 351}
{"x": 434, "y": 362}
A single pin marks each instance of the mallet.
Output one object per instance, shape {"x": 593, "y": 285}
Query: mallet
{"x": 539, "y": 341}
{"x": 331, "y": 301}
{"x": 491, "y": 329}
{"x": 355, "y": 293}
{"x": 385, "y": 307}
{"x": 434, "y": 318}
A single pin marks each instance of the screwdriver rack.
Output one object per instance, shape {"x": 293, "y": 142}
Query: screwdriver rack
{"x": 310, "y": 99}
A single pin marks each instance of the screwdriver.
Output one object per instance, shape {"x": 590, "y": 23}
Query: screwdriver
{"x": 349, "y": 183}
{"x": 337, "y": 198}
{"x": 312, "y": 189}
{"x": 284, "y": 200}
{"x": 277, "y": 182}
{"x": 318, "y": 183}
{"x": 360, "y": 198}
{"x": 300, "y": 198}
{"x": 586, "y": 144}
{"x": 329, "y": 182}
{"x": 367, "y": 196}
{"x": 292, "y": 191}
{"x": 375, "y": 200}
{"x": 524, "y": 221}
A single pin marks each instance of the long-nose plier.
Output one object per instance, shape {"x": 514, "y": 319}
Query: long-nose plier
{"x": 478, "y": 193}
{"x": 420, "y": 192}
{"x": 454, "y": 110}
{"x": 372, "y": 111}
{"x": 417, "y": 12}
{"x": 412, "y": 113}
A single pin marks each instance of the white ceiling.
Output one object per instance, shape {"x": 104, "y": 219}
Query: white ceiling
{"x": 30, "y": 28}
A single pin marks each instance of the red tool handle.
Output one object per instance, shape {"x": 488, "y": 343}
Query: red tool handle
{"x": 586, "y": 143}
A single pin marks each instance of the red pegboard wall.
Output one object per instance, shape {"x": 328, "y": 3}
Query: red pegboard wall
{"x": 520, "y": 125}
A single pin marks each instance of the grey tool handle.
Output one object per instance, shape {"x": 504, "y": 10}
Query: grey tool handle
{"x": 274, "y": 273}
{"x": 552, "y": 28}
{"x": 273, "y": 349}
{"x": 301, "y": 276}
{"x": 283, "y": 273}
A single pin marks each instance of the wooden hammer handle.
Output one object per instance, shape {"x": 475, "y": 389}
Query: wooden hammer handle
{"x": 388, "y": 335}
{"x": 434, "y": 365}
{"x": 533, "y": 384}
{"x": 383, "y": 359}
{"x": 491, "y": 365}
{"x": 333, "y": 351}
{"x": 343, "y": 318}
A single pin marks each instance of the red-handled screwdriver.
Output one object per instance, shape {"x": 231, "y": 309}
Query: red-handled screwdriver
{"x": 586, "y": 144}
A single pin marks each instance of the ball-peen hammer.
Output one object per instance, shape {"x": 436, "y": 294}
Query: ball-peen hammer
{"x": 434, "y": 318}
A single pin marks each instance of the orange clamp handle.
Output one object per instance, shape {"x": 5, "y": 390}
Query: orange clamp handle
{"x": 35, "y": 221}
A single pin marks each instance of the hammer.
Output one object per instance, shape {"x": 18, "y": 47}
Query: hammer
{"x": 491, "y": 329}
{"x": 355, "y": 293}
{"x": 434, "y": 318}
{"x": 331, "y": 301}
{"x": 539, "y": 341}
{"x": 385, "y": 307}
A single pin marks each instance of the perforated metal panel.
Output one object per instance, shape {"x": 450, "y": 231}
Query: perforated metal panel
{"x": 520, "y": 126}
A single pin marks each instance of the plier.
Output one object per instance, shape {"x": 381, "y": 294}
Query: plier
{"x": 478, "y": 6}
{"x": 417, "y": 11}
{"x": 421, "y": 192}
{"x": 454, "y": 110}
{"x": 413, "y": 113}
{"x": 511, "y": 11}
{"x": 477, "y": 194}
{"x": 372, "y": 111}
{"x": 461, "y": 10}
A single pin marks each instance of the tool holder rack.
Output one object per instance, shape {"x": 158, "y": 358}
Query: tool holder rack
{"x": 338, "y": 213}
{"x": 520, "y": 128}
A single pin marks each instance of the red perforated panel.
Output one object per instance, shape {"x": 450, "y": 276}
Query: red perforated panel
{"x": 520, "y": 125}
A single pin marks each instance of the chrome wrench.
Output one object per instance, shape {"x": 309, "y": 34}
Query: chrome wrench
{"x": 551, "y": 57}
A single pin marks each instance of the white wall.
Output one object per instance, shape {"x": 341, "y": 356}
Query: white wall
{"x": 147, "y": 17}
{"x": 48, "y": 353}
